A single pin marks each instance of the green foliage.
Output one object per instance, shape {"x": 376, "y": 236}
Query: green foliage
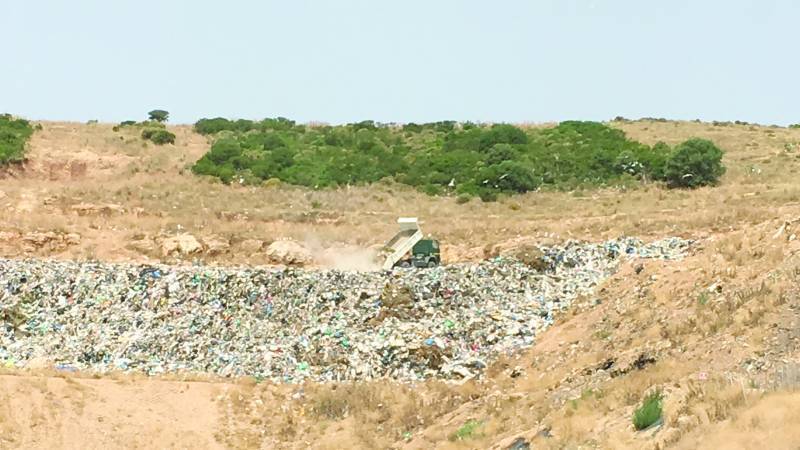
{"x": 14, "y": 133}
{"x": 649, "y": 412}
{"x": 158, "y": 115}
{"x": 794, "y": 125}
{"x": 466, "y": 160}
{"x": 467, "y": 431}
{"x": 158, "y": 136}
{"x": 694, "y": 163}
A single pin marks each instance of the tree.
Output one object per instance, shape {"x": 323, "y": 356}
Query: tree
{"x": 502, "y": 134}
{"x": 694, "y": 163}
{"x": 158, "y": 115}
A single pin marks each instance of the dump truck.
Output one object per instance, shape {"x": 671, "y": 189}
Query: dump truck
{"x": 410, "y": 248}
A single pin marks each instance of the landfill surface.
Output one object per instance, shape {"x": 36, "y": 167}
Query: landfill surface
{"x": 290, "y": 325}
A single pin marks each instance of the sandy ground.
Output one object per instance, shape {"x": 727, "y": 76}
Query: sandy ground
{"x": 53, "y": 412}
{"x": 718, "y": 333}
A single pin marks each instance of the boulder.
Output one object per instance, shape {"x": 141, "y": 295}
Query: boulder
{"x": 182, "y": 244}
{"x": 250, "y": 246}
{"x": 72, "y": 238}
{"x": 289, "y": 253}
{"x": 37, "y": 239}
{"x": 143, "y": 245}
{"x": 216, "y": 245}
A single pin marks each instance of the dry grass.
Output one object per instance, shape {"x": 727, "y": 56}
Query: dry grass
{"x": 160, "y": 196}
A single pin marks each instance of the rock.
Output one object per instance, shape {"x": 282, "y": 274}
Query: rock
{"x": 216, "y": 245}
{"x": 8, "y": 236}
{"x": 519, "y": 444}
{"x": 88, "y": 209}
{"x": 143, "y": 245}
{"x": 530, "y": 255}
{"x": 182, "y": 244}
{"x": 51, "y": 240}
{"x": 289, "y": 253}
{"x": 687, "y": 423}
{"x": 251, "y": 246}
{"x": 38, "y": 239}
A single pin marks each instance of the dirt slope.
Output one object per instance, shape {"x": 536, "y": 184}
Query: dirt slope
{"x": 52, "y": 412}
{"x": 716, "y": 333}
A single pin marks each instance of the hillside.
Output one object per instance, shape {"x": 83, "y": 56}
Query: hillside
{"x": 89, "y": 192}
{"x": 716, "y": 332}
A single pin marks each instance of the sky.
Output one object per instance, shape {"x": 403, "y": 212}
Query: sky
{"x": 402, "y": 61}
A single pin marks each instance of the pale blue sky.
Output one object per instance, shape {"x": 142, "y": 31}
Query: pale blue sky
{"x": 402, "y": 61}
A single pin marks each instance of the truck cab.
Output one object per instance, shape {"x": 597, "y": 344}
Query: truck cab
{"x": 425, "y": 253}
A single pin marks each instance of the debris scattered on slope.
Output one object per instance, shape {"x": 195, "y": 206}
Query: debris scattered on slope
{"x": 291, "y": 324}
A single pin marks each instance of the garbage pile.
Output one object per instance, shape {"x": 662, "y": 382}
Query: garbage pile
{"x": 289, "y": 324}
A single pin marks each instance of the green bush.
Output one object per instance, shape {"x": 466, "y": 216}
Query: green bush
{"x": 158, "y": 115}
{"x": 14, "y": 134}
{"x": 161, "y": 137}
{"x": 694, "y": 163}
{"x": 502, "y": 134}
{"x": 437, "y": 158}
{"x": 794, "y": 125}
{"x": 649, "y": 412}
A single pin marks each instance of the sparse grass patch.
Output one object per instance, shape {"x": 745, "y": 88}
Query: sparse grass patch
{"x": 331, "y": 406}
{"x": 467, "y": 431}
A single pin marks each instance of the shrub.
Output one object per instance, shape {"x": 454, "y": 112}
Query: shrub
{"x": 14, "y": 134}
{"x": 412, "y": 128}
{"x": 127, "y": 123}
{"x": 502, "y": 134}
{"x": 649, "y": 412}
{"x": 224, "y": 150}
{"x": 794, "y": 125}
{"x": 694, "y": 163}
{"x": 158, "y": 115}
{"x": 437, "y": 158}
{"x": 161, "y": 137}
{"x": 463, "y": 198}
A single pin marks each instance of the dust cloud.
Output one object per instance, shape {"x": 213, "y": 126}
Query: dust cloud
{"x": 344, "y": 257}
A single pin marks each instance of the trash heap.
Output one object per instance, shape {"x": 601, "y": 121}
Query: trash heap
{"x": 289, "y": 324}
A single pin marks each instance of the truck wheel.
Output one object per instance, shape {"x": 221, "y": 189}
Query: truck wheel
{"x": 432, "y": 264}
{"x": 405, "y": 264}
